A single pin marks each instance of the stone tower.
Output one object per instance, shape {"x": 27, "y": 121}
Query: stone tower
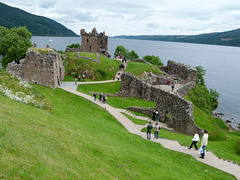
{"x": 94, "y": 42}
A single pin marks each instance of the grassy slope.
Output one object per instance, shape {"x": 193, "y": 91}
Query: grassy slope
{"x": 138, "y": 69}
{"x": 79, "y": 140}
{"x": 117, "y": 102}
{"x": 100, "y": 71}
{"x": 222, "y": 148}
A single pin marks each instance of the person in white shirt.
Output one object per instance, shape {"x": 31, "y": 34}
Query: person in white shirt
{"x": 195, "y": 140}
{"x": 204, "y": 143}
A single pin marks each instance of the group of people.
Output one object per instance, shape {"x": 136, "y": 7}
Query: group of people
{"x": 204, "y": 143}
{"x": 118, "y": 76}
{"x": 101, "y": 97}
{"x": 121, "y": 67}
{"x": 156, "y": 130}
{"x": 79, "y": 78}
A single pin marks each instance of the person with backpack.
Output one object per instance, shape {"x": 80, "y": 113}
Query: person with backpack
{"x": 149, "y": 130}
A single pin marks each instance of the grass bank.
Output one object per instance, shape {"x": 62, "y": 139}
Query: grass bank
{"x": 80, "y": 140}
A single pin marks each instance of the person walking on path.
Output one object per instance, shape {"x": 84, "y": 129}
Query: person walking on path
{"x": 172, "y": 87}
{"x": 104, "y": 99}
{"x": 114, "y": 77}
{"x": 149, "y": 130}
{"x": 204, "y": 143}
{"x": 75, "y": 81}
{"x": 195, "y": 140}
{"x": 153, "y": 114}
{"x": 100, "y": 96}
{"x": 95, "y": 96}
{"x": 83, "y": 76}
{"x": 156, "y": 130}
{"x": 79, "y": 78}
{"x": 156, "y": 115}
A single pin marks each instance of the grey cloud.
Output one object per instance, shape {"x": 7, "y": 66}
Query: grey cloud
{"x": 47, "y": 4}
{"x": 153, "y": 25}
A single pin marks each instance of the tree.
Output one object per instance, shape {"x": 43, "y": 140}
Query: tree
{"x": 121, "y": 50}
{"x": 14, "y": 44}
{"x": 132, "y": 55}
{"x": 153, "y": 60}
{"x": 200, "y": 73}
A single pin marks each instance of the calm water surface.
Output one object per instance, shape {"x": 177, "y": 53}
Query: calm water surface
{"x": 221, "y": 62}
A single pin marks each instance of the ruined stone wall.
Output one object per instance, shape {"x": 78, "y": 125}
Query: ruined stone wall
{"x": 167, "y": 103}
{"x": 186, "y": 72}
{"x": 39, "y": 68}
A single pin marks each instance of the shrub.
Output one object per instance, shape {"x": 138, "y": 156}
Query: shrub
{"x": 153, "y": 60}
{"x": 221, "y": 124}
{"x": 217, "y": 135}
{"x": 237, "y": 147}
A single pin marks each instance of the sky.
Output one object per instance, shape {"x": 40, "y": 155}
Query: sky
{"x": 138, "y": 17}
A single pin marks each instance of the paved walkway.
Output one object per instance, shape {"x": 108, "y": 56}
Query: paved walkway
{"x": 210, "y": 159}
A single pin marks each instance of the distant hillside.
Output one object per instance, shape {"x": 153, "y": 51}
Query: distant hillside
{"x": 228, "y": 38}
{"x": 38, "y": 25}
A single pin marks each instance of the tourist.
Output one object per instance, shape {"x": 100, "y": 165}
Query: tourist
{"x": 149, "y": 130}
{"x": 95, "y": 96}
{"x": 104, "y": 99}
{"x": 58, "y": 81}
{"x": 114, "y": 77}
{"x": 156, "y": 115}
{"x": 195, "y": 140}
{"x": 172, "y": 87}
{"x": 83, "y": 76}
{"x": 100, "y": 97}
{"x": 120, "y": 67}
{"x": 79, "y": 77}
{"x": 156, "y": 130}
{"x": 204, "y": 143}
{"x": 75, "y": 81}
{"x": 153, "y": 114}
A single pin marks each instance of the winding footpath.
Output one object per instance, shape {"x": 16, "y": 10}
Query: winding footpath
{"x": 211, "y": 159}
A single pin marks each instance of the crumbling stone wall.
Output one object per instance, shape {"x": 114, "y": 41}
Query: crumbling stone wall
{"x": 183, "y": 71}
{"x": 39, "y": 68}
{"x": 167, "y": 103}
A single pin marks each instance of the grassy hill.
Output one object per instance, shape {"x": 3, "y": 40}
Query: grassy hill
{"x": 103, "y": 70}
{"x": 228, "y": 38}
{"x": 38, "y": 25}
{"x": 79, "y": 140}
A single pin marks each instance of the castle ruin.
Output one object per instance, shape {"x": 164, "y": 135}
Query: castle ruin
{"x": 94, "y": 42}
{"x": 39, "y": 68}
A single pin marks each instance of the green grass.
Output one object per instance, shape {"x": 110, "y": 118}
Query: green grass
{"x": 96, "y": 71}
{"x": 135, "y": 120}
{"x": 138, "y": 69}
{"x": 90, "y": 55}
{"x": 110, "y": 88}
{"x": 117, "y": 102}
{"x": 80, "y": 140}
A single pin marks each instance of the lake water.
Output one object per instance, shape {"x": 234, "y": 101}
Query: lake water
{"x": 222, "y": 64}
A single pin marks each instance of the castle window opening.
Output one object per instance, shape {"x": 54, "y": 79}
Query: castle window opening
{"x": 87, "y": 40}
{"x": 90, "y": 48}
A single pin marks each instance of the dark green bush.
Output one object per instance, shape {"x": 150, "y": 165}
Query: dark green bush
{"x": 217, "y": 135}
{"x": 237, "y": 147}
{"x": 221, "y": 124}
